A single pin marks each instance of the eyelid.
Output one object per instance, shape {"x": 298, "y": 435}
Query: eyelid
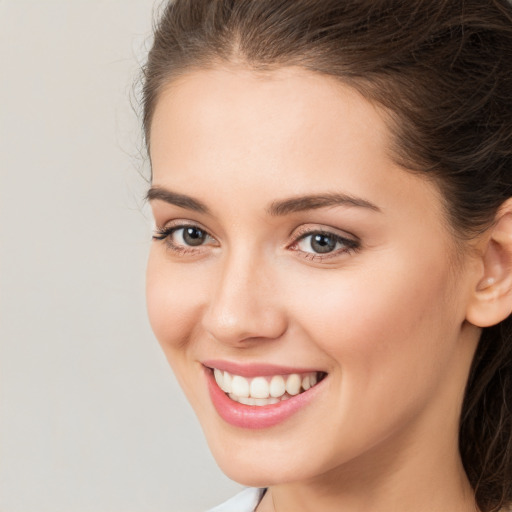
{"x": 309, "y": 229}
{"x": 180, "y": 222}
{"x": 176, "y": 224}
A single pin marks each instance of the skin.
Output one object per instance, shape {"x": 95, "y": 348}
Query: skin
{"x": 386, "y": 320}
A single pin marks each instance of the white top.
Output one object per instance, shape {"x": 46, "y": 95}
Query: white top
{"x": 245, "y": 501}
{"x": 248, "y": 499}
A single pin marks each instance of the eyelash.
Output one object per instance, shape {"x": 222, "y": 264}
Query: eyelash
{"x": 350, "y": 245}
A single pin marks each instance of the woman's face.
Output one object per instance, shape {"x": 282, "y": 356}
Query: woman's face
{"x": 291, "y": 248}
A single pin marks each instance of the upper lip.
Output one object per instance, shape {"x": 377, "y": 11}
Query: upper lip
{"x": 255, "y": 369}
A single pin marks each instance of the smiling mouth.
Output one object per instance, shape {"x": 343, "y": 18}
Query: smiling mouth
{"x": 266, "y": 390}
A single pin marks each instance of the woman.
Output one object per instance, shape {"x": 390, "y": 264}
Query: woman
{"x": 331, "y": 272}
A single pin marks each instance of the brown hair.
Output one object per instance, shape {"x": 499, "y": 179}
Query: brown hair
{"x": 442, "y": 70}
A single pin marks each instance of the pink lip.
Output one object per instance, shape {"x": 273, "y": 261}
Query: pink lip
{"x": 255, "y": 417}
{"x": 256, "y": 369}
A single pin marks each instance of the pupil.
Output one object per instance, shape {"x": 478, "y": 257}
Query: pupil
{"x": 322, "y": 243}
{"x": 193, "y": 236}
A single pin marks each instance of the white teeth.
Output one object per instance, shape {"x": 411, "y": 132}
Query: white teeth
{"x": 258, "y": 401}
{"x": 227, "y": 383}
{"x": 277, "y": 386}
{"x": 266, "y": 401}
{"x": 219, "y": 378}
{"x": 264, "y": 390}
{"x": 240, "y": 386}
{"x": 293, "y": 383}
{"x": 259, "y": 387}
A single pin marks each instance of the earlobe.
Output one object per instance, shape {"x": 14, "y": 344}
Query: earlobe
{"x": 491, "y": 301}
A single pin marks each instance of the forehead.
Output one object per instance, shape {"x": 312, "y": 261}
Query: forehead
{"x": 221, "y": 132}
{"x": 270, "y": 120}
{"x": 293, "y": 95}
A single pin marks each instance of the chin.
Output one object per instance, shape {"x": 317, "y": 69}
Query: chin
{"x": 258, "y": 472}
{"x": 268, "y": 457}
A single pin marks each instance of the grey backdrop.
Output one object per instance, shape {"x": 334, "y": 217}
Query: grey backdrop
{"x": 91, "y": 418}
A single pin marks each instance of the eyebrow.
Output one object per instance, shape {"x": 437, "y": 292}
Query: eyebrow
{"x": 176, "y": 199}
{"x": 313, "y": 202}
{"x": 277, "y": 208}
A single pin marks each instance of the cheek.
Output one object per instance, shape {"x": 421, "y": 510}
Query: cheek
{"x": 390, "y": 328}
{"x": 173, "y": 297}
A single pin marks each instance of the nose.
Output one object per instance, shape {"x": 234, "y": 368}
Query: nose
{"x": 243, "y": 303}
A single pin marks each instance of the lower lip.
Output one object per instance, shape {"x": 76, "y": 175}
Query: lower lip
{"x": 253, "y": 416}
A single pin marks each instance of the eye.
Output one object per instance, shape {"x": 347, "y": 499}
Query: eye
{"x": 192, "y": 236}
{"x": 324, "y": 243}
{"x": 183, "y": 238}
{"x": 319, "y": 243}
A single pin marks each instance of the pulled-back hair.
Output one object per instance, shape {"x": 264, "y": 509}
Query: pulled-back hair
{"x": 442, "y": 71}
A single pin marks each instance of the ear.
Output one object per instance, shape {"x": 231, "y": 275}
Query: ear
{"x": 491, "y": 300}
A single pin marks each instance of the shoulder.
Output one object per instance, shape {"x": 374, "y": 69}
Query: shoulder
{"x": 245, "y": 501}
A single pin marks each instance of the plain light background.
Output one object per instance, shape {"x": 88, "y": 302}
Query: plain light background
{"x": 91, "y": 418}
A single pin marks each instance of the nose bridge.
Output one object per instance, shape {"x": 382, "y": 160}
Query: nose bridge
{"x": 243, "y": 302}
